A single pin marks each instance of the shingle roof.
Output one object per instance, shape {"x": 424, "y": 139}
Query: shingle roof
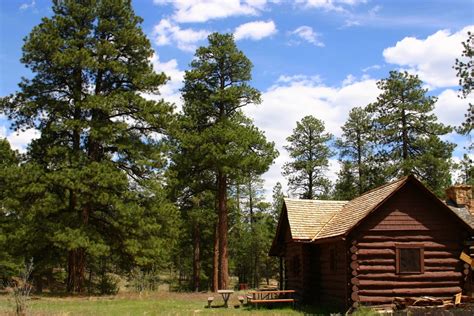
{"x": 312, "y": 220}
{"x": 308, "y": 217}
{"x": 355, "y": 210}
{"x": 317, "y": 219}
{"x": 463, "y": 214}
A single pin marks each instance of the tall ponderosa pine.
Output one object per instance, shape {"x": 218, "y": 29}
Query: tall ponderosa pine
{"x": 277, "y": 202}
{"x": 407, "y": 132}
{"x": 97, "y": 156}
{"x": 356, "y": 152}
{"x": 465, "y": 73}
{"x": 10, "y": 225}
{"x": 216, "y": 132}
{"x": 346, "y": 186}
{"x": 310, "y": 153}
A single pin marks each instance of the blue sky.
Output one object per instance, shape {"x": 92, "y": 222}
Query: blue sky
{"x": 318, "y": 57}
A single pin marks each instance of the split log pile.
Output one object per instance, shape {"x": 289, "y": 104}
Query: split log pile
{"x": 413, "y": 303}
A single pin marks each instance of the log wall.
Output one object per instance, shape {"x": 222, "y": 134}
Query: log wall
{"x": 294, "y": 274}
{"x": 333, "y": 280}
{"x": 410, "y": 217}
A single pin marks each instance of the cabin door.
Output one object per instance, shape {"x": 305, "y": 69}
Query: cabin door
{"x": 313, "y": 275}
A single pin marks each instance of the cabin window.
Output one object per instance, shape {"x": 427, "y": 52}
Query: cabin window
{"x": 296, "y": 265}
{"x": 410, "y": 259}
{"x": 332, "y": 260}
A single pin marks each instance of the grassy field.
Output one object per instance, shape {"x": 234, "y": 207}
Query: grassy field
{"x": 160, "y": 303}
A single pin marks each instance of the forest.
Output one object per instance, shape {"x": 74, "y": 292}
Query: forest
{"x": 121, "y": 186}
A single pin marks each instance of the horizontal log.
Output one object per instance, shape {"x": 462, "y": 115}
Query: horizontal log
{"x": 355, "y": 297}
{"x": 406, "y": 237}
{"x": 354, "y": 265}
{"x": 393, "y": 244}
{"x": 353, "y": 257}
{"x": 441, "y": 254}
{"x": 440, "y": 268}
{"x": 355, "y": 281}
{"x": 353, "y": 249}
{"x": 452, "y": 275}
{"x": 375, "y": 261}
{"x": 441, "y": 261}
{"x": 365, "y": 284}
{"x": 375, "y": 299}
{"x": 366, "y": 269}
{"x": 376, "y": 252}
{"x": 411, "y": 291}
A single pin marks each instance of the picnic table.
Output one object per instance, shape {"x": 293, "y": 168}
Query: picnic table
{"x": 225, "y": 295}
{"x": 279, "y": 296}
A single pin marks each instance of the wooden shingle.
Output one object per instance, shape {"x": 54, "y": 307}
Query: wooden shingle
{"x": 307, "y": 217}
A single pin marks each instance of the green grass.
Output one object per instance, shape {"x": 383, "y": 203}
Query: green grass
{"x": 133, "y": 304}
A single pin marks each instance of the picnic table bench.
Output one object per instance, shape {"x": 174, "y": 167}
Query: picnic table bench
{"x": 263, "y": 297}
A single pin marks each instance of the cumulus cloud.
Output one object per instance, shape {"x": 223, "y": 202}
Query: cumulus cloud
{"x": 432, "y": 58}
{"x": 255, "y": 30}
{"x": 170, "y": 91}
{"x": 204, "y": 10}
{"x": 330, "y": 5}
{"x": 19, "y": 140}
{"x": 293, "y": 97}
{"x": 450, "y": 109}
{"x": 307, "y": 34}
{"x": 167, "y": 33}
{"x": 28, "y": 5}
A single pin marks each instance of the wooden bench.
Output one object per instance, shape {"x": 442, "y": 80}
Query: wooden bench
{"x": 209, "y": 301}
{"x": 265, "y": 297}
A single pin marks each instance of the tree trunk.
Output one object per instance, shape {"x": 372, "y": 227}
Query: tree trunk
{"x": 359, "y": 162}
{"x": 223, "y": 227}
{"x": 215, "y": 260}
{"x": 76, "y": 264}
{"x": 196, "y": 258}
{"x": 406, "y": 171}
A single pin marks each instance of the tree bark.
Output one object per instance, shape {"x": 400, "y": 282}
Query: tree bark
{"x": 76, "y": 265}
{"x": 196, "y": 258}
{"x": 215, "y": 260}
{"x": 406, "y": 171}
{"x": 223, "y": 227}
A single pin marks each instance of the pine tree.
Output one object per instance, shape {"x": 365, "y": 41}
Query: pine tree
{"x": 356, "y": 150}
{"x": 310, "y": 153}
{"x": 216, "y": 132}
{"x": 346, "y": 187}
{"x": 10, "y": 260}
{"x": 465, "y": 73}
{"x": 98, "y": 162}
{"x": 407, "y": 132}
{"x": 277, "y": 202}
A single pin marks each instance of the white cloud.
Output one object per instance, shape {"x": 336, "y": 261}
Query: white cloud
{"x": 293, "y": 97}
{"x": 330, "y": 5}
{"x": 255, "y": 30}
{"x": 170, "y": 91}
{"x": 373, "y": 67}
{"x": 26, "y": 5}
{"x": 204, "y": 10}
{"x": 309, "y": 35}
{"x": 450, "y": 109}
{"x": 431, "y": 58}
{"x": 19, "y": 140}
{"x": 166, "y": 33}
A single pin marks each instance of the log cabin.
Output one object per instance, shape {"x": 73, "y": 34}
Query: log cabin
{"x": 393, "y": 241}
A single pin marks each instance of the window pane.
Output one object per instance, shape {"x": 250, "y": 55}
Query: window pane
{"x": 410, "y": 260}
